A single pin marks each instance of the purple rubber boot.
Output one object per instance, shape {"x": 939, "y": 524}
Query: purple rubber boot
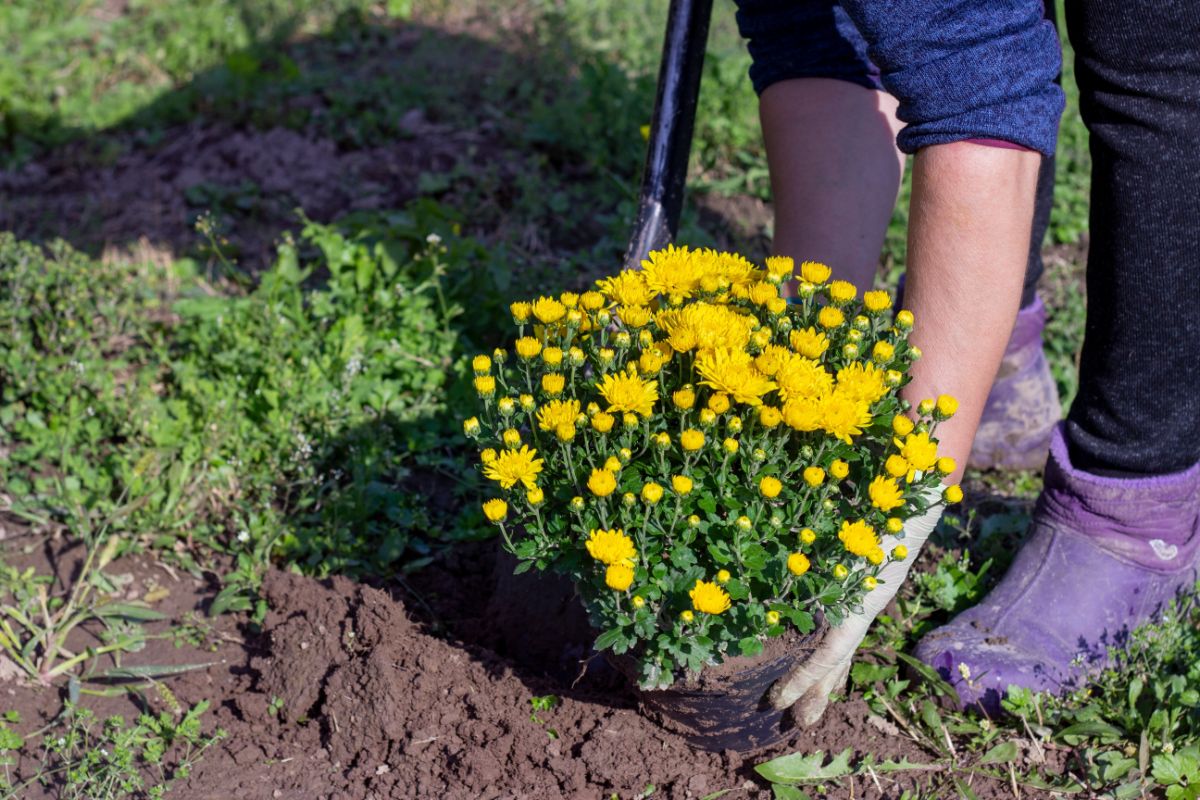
{"x": 1023, "y": 407}
{"x": 1103, "y": 556}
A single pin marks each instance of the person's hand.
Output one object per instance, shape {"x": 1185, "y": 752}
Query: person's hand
{"x": 807, "y": 687}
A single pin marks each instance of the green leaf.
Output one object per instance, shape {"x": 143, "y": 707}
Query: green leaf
{"x": 784, "y": 792}
{"x": 609, "y": 638}
{"x": 231, "y": 598}
{"x": 930, "y": 676}
{"x": 801, "y": 768}
{"x": 135, "y": 612}
{"x": 1090, "y": 729}
{"x": 750, "y": 646}
{"x": 149, "y": 671}
{"x": 1002, "y": 753}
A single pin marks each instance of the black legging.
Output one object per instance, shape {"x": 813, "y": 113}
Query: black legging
{"x": 1138, "y": 69}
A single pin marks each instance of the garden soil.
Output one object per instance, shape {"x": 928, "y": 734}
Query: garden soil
{"x": 421, "y": 690}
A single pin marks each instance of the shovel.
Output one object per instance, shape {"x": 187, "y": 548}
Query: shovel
{"x": 661, "y": 197}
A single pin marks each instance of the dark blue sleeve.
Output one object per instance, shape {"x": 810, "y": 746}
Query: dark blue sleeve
{"x": 966, "y": 69}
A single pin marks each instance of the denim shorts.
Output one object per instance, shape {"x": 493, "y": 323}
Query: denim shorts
{"x": 959, "y": 69}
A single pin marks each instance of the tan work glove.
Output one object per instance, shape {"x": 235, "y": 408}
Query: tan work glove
{"x": 807, "y": 687}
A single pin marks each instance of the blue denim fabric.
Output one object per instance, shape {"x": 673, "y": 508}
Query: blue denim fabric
{"x": 960, "y": 69}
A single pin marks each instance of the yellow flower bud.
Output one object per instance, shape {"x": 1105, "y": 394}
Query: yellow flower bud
{"x": 535, "y": 496}
{"x": 723, "y": 576}
{"x": 481, "y": 364}
{"x": 629, "y": 498}
{"x": 495, "y": 510}
{"x": 830, "y": 317}
{"x": 925, "y": 407}
{"x": 902, "y": 425}
{"x": 850, "y": 350}
{"x": 946, "y": 406}
{"x": 769, "y": 416}
{"x": 528, "y": 347}
{"x": 814, "y": 272}
{"x": 839, "y": 469}
{"x": 719, "y": 403}
{"x": 511, "y": 437}
{"x": 707, "y": 417}
{"x": 682, "y": 484}
{"x": 630, "y": 421}
{"x": 842, "y": 292}
{"x": 744, "y": 523}
{"x": 876, "y": 302}
{"x": 840, "y": 572}
{"x": 693, "y": 521}
{"x": 521, "y": 312}
{"x": 622, "y": 340}
{"x": 625, "y": 454}
{"x": 612, "y": 464}
{"x": 553, "y": 383}
{"x": 776, "y": 305}
{"x": 471, "y": 426}
{"x": 882, "y": 352}
{"x": 576, "y": 356}
{"x": 730, "y": 445}
{"x": 953, "y": 494}
{"x": 684, "y": 399}
{"x": 894, "y": 525}
{"x": 602, "y": 482}
{"x": 915, "y": 353}
{"x": 577, "y": 503}
{"x": 814, "y": 476}
{"x": 808, "y": 535}
{"x": 553, "y": 356}
{"x": 899, "y": 552}
{"x": 527, "y": 402}
{"x": 687, "y": 615}
{"x": 605, "y": 355}
{"x": 946, "y": 465}
{"x": 652, "y": 493}
{"x": 662, "y": 440}
{"x": 770, "y": 487}
{"x": 499, "y": 355}
{"x": 893, "y": 378}
{"x": 485, "y": 385}
{"x": 618, "y": 577}
{"x": 565, "y": 432}
{"x": 904, "y": 320}
{"x": 602, "y": 422}
{"x": 854, "y": 335}
{"x": 870, "y": 583}
{"x": 506, "y": 405}
{"x": 896, "y": 466}
{"x": 734, "y": 424}
{"x": 488, "y": 456}
{"x": 798, "y": 564}
{"x": 772, "y": 617}
{"x": 591, "y": 300}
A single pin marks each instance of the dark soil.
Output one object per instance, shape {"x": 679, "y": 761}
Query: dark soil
{"x": 352, "y": 692}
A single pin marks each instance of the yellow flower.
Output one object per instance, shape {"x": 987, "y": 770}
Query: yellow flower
{"x": 591, "y": 301}
{"x": 809, "y": 342}
{"x": 520, "y": 312}
{"x": 925, "y": 407}
{"x": 471, "y": 426}
{"x": 506, "y": 405}
{"x": 495, "y": 510}
{"x": 548, "y": 310}
{"x": 772, "y": 617}
{"x": 652, "y": 493}
{"x": 946, "y": 465}
{"x": 893, "y": 377}
{"x": 577, "y": 503}
{"x": 511, "y": 437}
{"x": 513, "y": 466}
{"x": 651, "y": 361}
{"x": 731, "y": 371}
{"x": 894, "y": 525}
{"x": 876, "y": 302}
{"x": 605, "y": 355}
{"x": 684, "y": 398}
{"x": 557, "y": 412}
{"x": 780, "y": 267}
{"x": 808, "y": 535}
{"x": 673, "y": 272}
{"x": 777, "y": 305}
{"x": 618, "y": 577}
{"x": 528, "y": 347}
{"x": 691, "y": 439}
{"x": 814, "y": 272}
{"x": 634, "y": 316}
{"x": 904, "y": 319}
{"x": 798, "y": 564}
{"x": 602, "y": 482}
{"x": 885, "y": 493}
{"x": 862, "y": 382}
{"x": 803, "y": 414}
{"x": 842, "y": 292}
{"x": 844, "y": 417}
{"x": 883, "y": 352}
{"x": 526, "y": 401}
{"x": 569, "y": 299}
{"x": 553, "y": 356}
{"x": 612, "y": 464}
{"x": 535, "y": 496}
{"x": 553, "y": 383}
{"x": 771, "y": 359}
{"x": 730, "y": 445}
{"x": 625, "y": 391}
{"x": 814, "y": 476}
{"x": 705, "y": 326}
{"x": 870, "y": 583}
{"x": 858, "y": 538}
{"x": 770, "y": 487}
{"x": 603, "y": 422}
{"x": 946, "y": 406}
{"x": 769, "y": 416}
{"x": 682, "y": 484}
{"x": 830, "y": 317}
{"x": 709, "y": 598}
{"x": 485, "y": 385}
{"x": 662, "y": 440}
{"x": 876, "y": 556}
{"x": 630, "y": 421}
{"x": 565, "y": 432}
{"x": 763, "y": 292}
{"x": 902, "y": 425}
{"x": 611, "y": 546}
{"x": 840, "y": 572}
{"x": 481, "y": 364}
{"x": 953, "y": 494}
{"x": 801, "y": 378}
{"x": 895, "y": 466}
{"x": 899, "y": 552}
{"x": 734, "y": 424}
{"x": 686, "y": 615}
{"x": 839, "y": 469}
{"x": 744, "y": 523}
{"x": 627, "y": 288}
{"x": 639, "y": 601}
{"x": 723, "y": 576}
{"x": 488, "y": 456}
{"x": 718, "y": 403}
{"x": 918, "y": 451}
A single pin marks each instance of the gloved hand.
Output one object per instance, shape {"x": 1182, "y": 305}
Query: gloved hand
{"x": 807, "y": 687}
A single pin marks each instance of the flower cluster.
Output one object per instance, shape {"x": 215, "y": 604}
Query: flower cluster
{"x": 710, "y": 463}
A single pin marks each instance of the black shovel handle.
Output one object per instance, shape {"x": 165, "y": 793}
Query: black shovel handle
{"x": 661, "y": 197}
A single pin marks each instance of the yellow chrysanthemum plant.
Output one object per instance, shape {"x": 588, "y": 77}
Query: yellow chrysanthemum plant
{"x": 709, "y": 463}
